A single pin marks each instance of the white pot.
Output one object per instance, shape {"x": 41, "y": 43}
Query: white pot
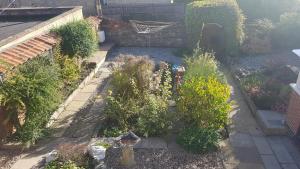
{"x": 101, "y": 35}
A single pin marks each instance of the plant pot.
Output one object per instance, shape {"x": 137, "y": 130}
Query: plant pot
{"x": 101, "y": 35}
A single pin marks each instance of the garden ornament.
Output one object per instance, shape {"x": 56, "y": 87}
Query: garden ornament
{"x": 127, "y": 141}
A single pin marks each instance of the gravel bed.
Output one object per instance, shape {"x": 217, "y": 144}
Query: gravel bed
{"x": 157, "y": 54}
{"x": 166, "y": 159}
{"x": 257, "y": 62}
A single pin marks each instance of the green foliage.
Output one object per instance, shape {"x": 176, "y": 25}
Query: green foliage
{"x": 203, "y": 102}
{"x": 271, "y": 9}
{"x": 201, "y": 64}
{"x": 35, "y": 88}
{"x": 62, "y": 165}
{"x": 103, "y": 144}
{"x": 258, "y": 39}
{"x": 223, "y": 12}
{"x": 286, "y": 33}
{"x": 154, "y": 119}
{"x": 70, "y": 70}
{"x": 198, "y": 140}
{"x": 78, "y": 38}
{"x": 138, "y": 99}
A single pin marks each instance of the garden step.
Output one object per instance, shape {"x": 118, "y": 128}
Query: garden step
{"x": 273, "y": 123}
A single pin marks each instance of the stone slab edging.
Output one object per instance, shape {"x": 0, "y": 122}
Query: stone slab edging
{"x": 251, "y": 105}
{"x": 70, "y": 98}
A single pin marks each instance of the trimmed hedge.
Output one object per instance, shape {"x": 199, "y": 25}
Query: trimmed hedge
{"x": 223, "y": 12}
{"x": 79, "y": 39}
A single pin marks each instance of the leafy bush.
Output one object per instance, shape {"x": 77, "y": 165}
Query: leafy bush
{"x": 78, "y": 38}
{"x": 62, "y": 165}
{"x": 198, "y": 140}
{"x": 70, "y": 69}
{"x": 33, "y": 88}
{"x": 203, "y": 102}
{"x": 271, "y": 9}
{"x": 225, "y": 13}
{"x": 202, "y": 65}
{"x": 286, "y": 34}
{"x": 258, "y": 39}
{"x": 138, "y": 98}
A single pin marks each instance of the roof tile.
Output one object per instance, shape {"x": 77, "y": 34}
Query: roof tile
{"x": 29, "y": 49}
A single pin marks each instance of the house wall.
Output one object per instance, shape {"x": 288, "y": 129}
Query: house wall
{"x": 120, "y": 31}
{"x": 89, "y": 6}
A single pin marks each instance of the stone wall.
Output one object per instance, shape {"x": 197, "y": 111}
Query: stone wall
{"x": 119, "y": 30}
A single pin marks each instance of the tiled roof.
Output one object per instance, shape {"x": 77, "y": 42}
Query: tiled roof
{"x": 19, "y": 54}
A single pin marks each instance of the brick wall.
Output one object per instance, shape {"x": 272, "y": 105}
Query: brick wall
{"x": 119, "y": 30}
{"x": 293, "y": 113}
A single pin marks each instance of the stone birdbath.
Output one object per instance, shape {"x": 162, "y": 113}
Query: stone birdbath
{"x": 127, "y": 141}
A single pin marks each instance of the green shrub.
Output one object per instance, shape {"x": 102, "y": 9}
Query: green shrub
{"x": 271, "y": 9}
{"x": 70, "y": 69}
{"x": 62, "y": 165}
{"x": 35, "y": 87}
{"x": 154, "y": 119}
{"x": 258, "y": 40}
{"x": 138, "y": 101}
{"x": 286, "y": 33}
{"x": 203, "y": 102}
{"x": 223, "y": 12}
{"x": 78, "y": 38}
{"x": 198, "y": 140}
{"x": 202, "y": 65}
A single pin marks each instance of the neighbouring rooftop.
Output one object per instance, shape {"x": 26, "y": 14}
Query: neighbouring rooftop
{"x": 24, "y": 32}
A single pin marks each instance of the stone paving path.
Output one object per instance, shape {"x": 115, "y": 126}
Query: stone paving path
{"x": 249, "y": 148}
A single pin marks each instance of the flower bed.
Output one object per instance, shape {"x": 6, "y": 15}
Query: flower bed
{"x": 268, "y": 88}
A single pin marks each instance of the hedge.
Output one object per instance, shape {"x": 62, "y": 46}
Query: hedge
{"x": 223, "y": 12}
{"x": 78, "y": 38}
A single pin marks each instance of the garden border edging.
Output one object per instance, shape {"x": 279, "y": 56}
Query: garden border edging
{"x": 70, "y": 98}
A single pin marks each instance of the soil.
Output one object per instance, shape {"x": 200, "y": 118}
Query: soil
{"x": 166, "y": 159}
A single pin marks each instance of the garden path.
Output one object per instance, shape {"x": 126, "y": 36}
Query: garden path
{"x": 249, "y": 148}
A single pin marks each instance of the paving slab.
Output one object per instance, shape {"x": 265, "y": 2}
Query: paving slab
{"x": 247, "y": 155}
{"x": 281, "y": 153}
{"x": 90, "y": 88}
{"x": 289, "y": 166}
{"x": 238, "y": 139}
{"x": 262, "y": 145}
{"x": 83, "y": 96}
{"x": 75, "y": 105}
{"x": 250, "y": 166}
{"x": 270, "y": 162}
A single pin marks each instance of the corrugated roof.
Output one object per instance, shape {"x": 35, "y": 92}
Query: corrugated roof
{"x": 29, "y": 49}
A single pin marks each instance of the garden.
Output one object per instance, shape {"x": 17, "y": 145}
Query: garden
{"x": 165, "y": 113}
